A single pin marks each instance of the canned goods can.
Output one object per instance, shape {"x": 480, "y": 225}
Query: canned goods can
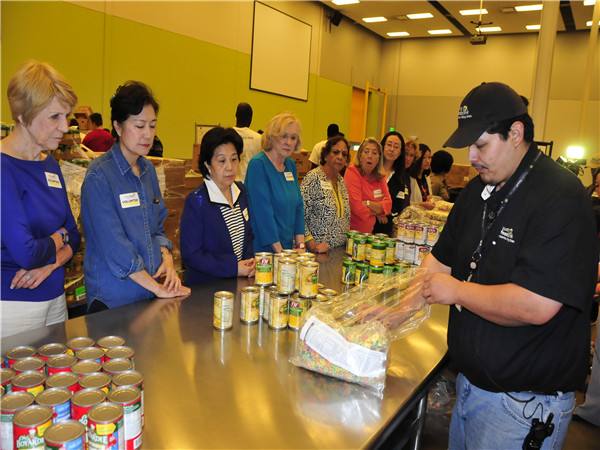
{"x": 329, "y": 293}
{"x": 376, "y": 275}
{"x": 377, "y": 257}
{"x": 297, "y": 306}
{"x": 289, "y": 252}
{"x": 80, "y": 342}
{"x": 362, "y": 274}
{"x": 278, "y": 319}
{"x": 369, "y": 247}
{"x": 10, "y": 404}
{"x": 249, "y": 305}
{"x": 117, "y": 365}
{"x": 409, "y": 233}
{"x": 264, "y": 268}
{"x": 433, "y": 235}
{"x": 105, "y": 427}
{"x": 310, "y": 256}
{"x": 262, "y": 293}
{"x": 286, "y": 279}
{"x": 409, "y": 253}
{"x": 131, "y": 378}
{"x": 30, "y": 424}
{"x": 49, "y": 350}
{"x": 14, "y": 354}
{"x": 30, "y": 363}
{"x": 81, "y": 368}
{"x": 67, "y": 380}
{"x": 60, "y": 363}
{"x": 399, "y": 250}
{"x": 348, "y": 271}
{"x": 358, "y": 247}
{"x": 269, "y": 291}
{"x": 276, "y": 258}
{"x": 309, "y": 279}
{"x": 83, "y": 401}
{"x": 320, "y": 298}
{"x": 67, "y": 435}
{"x": 91, "y": 354}
{"x": 390, "y": 251}
{"x": 57, "y": 399}
{"x": 400, "y": 229}
{"x": 130, "y": 398}
{"x": 420, "y": 233}
{"x": 421, "y": 252}
{"x": 388, "y": 270}
{"x": 107, "y": 342}
{"x": 119, "y": 352}
{"x": 223, "y": 310}
{"x": 6, "y": 375}
{"x": 96, "y": 380}
{"x": 349, "y": 242}
{"x": 32, "y": 382}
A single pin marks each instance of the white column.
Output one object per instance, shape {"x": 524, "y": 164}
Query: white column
{"x": 589, "y": 69}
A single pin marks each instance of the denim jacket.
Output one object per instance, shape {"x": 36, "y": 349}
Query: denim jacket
{"x": 123, "y": 217}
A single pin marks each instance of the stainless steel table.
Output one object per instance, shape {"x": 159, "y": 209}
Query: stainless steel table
{"x": 236, "y": 389}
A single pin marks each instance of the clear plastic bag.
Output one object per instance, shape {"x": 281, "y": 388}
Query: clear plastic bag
{"x": 74, "y": 175}
{"x": 349, "y": 337}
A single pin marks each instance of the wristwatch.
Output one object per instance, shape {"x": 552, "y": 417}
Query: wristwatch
{"x": 65, "y": 237}
{"x": 301, "y": 245}
{"x": 368, "y": 202}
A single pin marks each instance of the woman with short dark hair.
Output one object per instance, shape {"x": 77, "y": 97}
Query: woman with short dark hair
{"x": 123, "y": 212}
{"x": 419, "y": 172}
{"x": 216, "y": 237}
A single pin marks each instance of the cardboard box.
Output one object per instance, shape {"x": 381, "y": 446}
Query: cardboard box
{"x": 460, "y": 175}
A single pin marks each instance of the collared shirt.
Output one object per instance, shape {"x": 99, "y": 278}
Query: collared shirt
{"x": 543, "y": 241}
{"x": 123, "y": 217}
{"x": 232, "y": 215}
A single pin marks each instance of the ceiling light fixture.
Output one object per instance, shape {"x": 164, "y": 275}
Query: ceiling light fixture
{"x": 488, "y": 29}
{"x": 438, "y": 32}
{"x": 525, "y": 8}
{"x": 419, "y": 16}
{"x": 345, "y": 2}
{"x": 374, "y": 19}
{"x": 589, "y": 23}
{"x": 533, "y": 27}
{"x": 398, "y": 34}
{"x": 473, "y": 12}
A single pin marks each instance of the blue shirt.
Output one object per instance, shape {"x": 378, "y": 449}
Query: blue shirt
{"x": 123, "y": 217}
{"x": 276, "y": 205}
{"x": 34, "y": 205}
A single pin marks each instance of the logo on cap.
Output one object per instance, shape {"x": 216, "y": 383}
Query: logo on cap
{"x": 463, "y": 112}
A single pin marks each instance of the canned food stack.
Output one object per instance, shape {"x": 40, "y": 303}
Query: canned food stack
{"x": 415, "y": 240}
{"x": 82, "y": 394}
{"x": 371, "y": 259}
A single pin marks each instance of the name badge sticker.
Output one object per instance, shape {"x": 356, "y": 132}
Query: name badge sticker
{"x": 245, "y": 214}
{"x": 326, "y": 185}
{"x": 401, "y": 195}
{"x": 377, "y": 193}
{"x": 289, "y": 176}
{"x": 53, "y": 180}
{"x": 129, "y": 200}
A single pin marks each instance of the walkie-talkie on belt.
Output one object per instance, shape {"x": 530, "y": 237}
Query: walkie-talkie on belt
{"x": 538, "y": 432}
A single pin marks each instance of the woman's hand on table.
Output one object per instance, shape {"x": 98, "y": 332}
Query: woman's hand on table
{"x": 246, "y": 267}
{"x": 318, "y": 247}
{"x": 163, "y": 292}
{"x": 31, "y": 279}
{"x": 167, "y": 269}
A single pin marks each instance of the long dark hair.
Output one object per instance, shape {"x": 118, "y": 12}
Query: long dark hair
{"x": 399, "y": 163}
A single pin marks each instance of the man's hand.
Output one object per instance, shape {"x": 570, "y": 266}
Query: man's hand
{"x": 440, "y": 288}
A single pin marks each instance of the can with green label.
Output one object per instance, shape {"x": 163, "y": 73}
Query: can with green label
{"x": 361, "y": 274}
{"x": 358, "y": 247}
{"x": 378, "y": 249}
{"x": 375, "y": 275}
{"x": 349, "y": 241}
{"x": 348, "y": 271}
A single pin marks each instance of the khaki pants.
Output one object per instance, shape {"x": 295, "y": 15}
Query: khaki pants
{"x": 16, "y": 317}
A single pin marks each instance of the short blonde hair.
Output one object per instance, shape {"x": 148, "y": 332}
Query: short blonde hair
{"x": 276, "y": 128}
{"x": 378, "y": 172}
{"x": 33, "y": 87}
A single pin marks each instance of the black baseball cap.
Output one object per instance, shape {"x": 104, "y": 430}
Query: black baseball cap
{"x": 484, "y": 105}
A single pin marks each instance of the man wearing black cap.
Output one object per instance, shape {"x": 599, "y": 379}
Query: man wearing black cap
{"x": 517, "y": 259}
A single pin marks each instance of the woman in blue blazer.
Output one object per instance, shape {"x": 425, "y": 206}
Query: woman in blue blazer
{"x": 216, "y": 237}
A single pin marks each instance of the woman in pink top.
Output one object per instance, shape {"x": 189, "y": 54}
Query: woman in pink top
{"x": 368, "y": 192}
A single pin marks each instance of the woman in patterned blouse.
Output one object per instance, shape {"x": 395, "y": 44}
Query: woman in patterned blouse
{"x": 326, "y": 205}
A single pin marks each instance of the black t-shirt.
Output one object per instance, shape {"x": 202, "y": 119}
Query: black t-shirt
{"x": 399, "y": 187}
{"x": 543, "y": 241}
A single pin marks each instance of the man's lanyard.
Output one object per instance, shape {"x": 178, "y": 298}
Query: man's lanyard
{"x": 477, "y": 253}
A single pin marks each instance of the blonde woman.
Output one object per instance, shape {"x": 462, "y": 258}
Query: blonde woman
{"x": 367, "y": 188}
{"x": 276, "y": 206}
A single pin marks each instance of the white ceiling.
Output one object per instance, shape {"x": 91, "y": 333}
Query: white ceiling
{"x": 511, "y": 22}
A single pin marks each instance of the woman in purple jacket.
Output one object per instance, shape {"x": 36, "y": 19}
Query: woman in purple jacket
{"x": 216, "y": 238}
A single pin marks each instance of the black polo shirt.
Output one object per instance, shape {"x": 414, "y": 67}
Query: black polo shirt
{"x": 543, "y": 241}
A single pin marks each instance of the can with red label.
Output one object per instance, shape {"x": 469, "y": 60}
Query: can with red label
{"x": 6, "y": 376}
{"x": 122, "y": 351}
{"x": 96, "y": 380}
{"x": 68, "y": 435}
{"x": 118, "y": 365}
{"x": 14, "y": 354}
{"x": 30, "y": 363}
{"x": 10, "y": 404}
{"x": 60, "y": 363}
{"x": 77, "y": 343}
{"x": 59, "y": 400}
{"x": 30, "y": 424}
{"x": 131, "y": 378}
{"x": 47, "y": 351}
{"x": 67, "y": 380}
{"x": 83, "y": 401}
{"x": 32, "y": 382}
{"x": 130, "y": 399}
{"x": 90, "y": 354}
{"x": 105, "y": 427}
{"x": 81, "y": 368}
{"x": 107, "y": 342}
